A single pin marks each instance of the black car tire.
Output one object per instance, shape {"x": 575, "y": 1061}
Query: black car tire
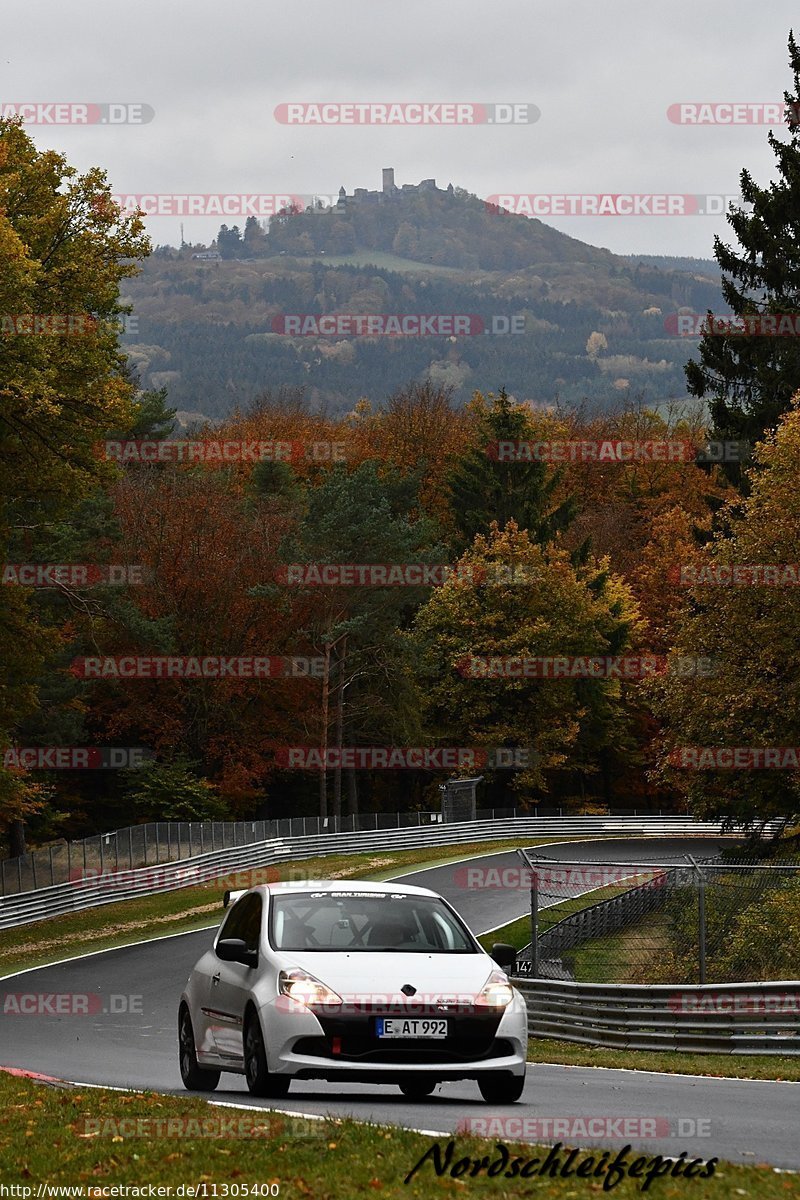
{"x": 195, "y": 1078}
{"x": 259, "y": 1080}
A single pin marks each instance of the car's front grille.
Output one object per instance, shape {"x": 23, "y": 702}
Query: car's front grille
{"x": 354, "y": 1039}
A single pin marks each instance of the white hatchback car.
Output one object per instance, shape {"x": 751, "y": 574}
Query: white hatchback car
{"x": 368, "y": 982}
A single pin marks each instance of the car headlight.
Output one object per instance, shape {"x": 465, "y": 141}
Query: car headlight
{"x": 497, "y": 992}
{"x": 306, "y": 989}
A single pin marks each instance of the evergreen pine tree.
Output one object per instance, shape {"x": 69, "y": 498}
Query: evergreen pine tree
{"x": 749, "y": 379}
{"x": 484, "y": 488}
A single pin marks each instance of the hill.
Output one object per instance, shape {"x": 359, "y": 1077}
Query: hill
{"x": 214, "y": 330}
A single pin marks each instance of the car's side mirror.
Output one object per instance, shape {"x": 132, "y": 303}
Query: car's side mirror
{"x": 236, "y": 950}
{"x": 505, "y": 956}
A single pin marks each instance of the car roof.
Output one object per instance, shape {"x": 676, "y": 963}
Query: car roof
{"x": 358, "y": 886}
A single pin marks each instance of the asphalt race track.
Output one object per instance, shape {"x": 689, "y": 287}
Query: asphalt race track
{"x": 128, "y": 1039}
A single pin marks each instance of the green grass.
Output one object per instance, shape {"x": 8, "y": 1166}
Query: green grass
{"x": 191, "y": 908}
{"x": 616, "y": 957}
{"x": 518, "y": 933}
{"x": 673, "y": 1062}
{"x": 73, "y": 1137}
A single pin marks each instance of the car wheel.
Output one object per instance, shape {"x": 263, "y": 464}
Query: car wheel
{"x": 501, "y": 1088}
{"x": 195, "y": 1077}
{"x": 259, "y": 1080}
{"x": 418, "y": 1089}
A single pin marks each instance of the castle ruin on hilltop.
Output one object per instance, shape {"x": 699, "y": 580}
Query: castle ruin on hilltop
{"x": 390, "y": 189}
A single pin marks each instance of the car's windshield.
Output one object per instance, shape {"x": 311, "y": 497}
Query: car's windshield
{"x": 356, "y": 921}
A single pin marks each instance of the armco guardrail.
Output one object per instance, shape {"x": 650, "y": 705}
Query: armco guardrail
{"x": 740, "y": 1018}
{"x": 25, "y": 907}
{"x": 169, "y": 841}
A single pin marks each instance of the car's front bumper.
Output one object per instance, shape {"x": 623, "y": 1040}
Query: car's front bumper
{"x": 307, "y": 1044}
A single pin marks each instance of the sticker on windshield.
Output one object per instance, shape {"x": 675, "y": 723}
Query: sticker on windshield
{"x": 360, "y": 895}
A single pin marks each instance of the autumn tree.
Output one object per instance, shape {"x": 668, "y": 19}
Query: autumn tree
{"x": 419, "y": 430}
{"x": 568, "y": 724}
{"x": 746, "y": 635}
{"x": 621, "y": 503}
{"x": 205, "y": 545}
{"x": 64, "y": 249}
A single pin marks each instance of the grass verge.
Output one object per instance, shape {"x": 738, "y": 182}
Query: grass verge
{"x": 673, "y": 1062}
{"x": 74, "y": 1137}
{"x": 518, "y": 933}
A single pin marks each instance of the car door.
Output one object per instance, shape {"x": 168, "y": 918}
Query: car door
{"x": 231, "y": 982}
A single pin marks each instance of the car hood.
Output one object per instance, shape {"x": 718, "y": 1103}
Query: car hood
{"x": 433, "y": 976}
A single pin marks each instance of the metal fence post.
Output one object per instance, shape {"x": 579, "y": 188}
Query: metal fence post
{"x": 701, "y": 917}
{"x": 534, "y": 926}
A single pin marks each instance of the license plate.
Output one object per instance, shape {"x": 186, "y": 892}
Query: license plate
{"x": 413, "y": 1027}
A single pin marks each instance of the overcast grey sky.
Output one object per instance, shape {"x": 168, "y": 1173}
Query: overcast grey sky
{"x": 603, "y": 76}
